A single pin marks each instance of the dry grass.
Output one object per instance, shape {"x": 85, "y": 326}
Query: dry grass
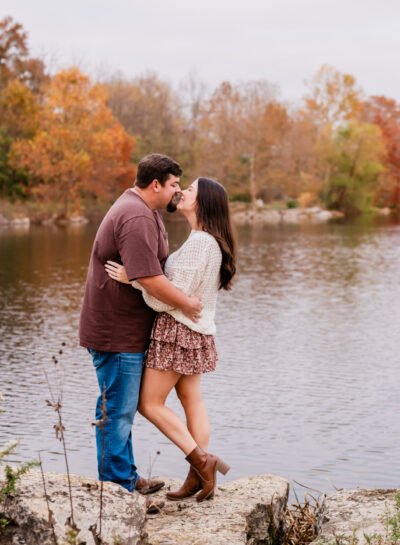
{"x": 301, "y": 521}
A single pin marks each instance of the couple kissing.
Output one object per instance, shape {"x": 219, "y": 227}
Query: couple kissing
{"x": 148, "y": 321}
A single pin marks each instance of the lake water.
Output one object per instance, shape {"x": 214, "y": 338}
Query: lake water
{"x": 308, "y": 381}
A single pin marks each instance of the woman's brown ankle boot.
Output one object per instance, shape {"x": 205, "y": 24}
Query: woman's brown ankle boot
{"x": 191, "y": 485}
{"x": 206, "y": 466}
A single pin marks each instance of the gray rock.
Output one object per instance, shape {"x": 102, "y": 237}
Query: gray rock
{"x": 322, "y": 215}
{"x": 351, "y": 514}
{"x": 78, "y": 220}
{"x": 240, "y": 513}
{"x": 292, "y": 215}
{"x": 3, "y": 220}
{"x": 20, "y": 221}
{"x": 256, "y": 216}
{"x": 123, "y": 513}
{"x": 271, "y": 216}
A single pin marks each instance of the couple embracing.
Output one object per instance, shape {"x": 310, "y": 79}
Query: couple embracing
{"x": 148, "y": 320}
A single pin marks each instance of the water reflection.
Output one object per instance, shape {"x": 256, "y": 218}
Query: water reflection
{"x": 307, "y": 382}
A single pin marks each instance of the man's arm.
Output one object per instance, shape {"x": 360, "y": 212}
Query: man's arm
{"x": 161, "y": 288}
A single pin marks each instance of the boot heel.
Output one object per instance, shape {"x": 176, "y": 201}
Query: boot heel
{"x": 222, "y": 467}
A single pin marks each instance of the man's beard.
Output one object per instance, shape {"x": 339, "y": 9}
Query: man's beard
{"x": 173, "y": 203}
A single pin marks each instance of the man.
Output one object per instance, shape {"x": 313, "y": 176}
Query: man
{"x": 115, "y": 322}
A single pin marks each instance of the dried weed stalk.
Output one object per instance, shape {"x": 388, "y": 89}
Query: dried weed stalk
{"x": 301, "y": 521}
{"x": 101, "y": 425}
{"x": 55, "y": 402}
{"x": 50, "y": 512}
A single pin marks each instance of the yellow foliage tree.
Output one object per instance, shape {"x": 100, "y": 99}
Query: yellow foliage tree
{"x": 78, "y": 148}
{"x": 19, "y": 110}
{"x": 333, "y": 98}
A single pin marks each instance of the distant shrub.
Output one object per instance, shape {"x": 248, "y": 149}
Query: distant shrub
{"x": 240, "y": 197}
{"x": 292, "y": 203}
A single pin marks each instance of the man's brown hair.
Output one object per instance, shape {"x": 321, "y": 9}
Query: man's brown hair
{"x": 156, "y": 167}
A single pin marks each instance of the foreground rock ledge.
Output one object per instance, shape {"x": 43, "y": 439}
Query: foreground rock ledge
{"x": 357, "y": 512}
{"x": 240, "y": 513}
{"x": 123, "y": 513}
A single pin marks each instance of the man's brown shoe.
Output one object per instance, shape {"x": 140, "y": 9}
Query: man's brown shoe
{"x": 153, "y": 506}
{"x": 148, "y": 486}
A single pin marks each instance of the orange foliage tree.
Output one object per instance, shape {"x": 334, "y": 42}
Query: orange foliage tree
{"x": 78, "y": 147}
{"x": 385, "y": 113}
{"x": 241, "y": 130}
{"x": 15, "y": 62}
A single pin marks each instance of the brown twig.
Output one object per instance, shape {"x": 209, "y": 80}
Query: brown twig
{"x": 335, "y": 487}
{"x": 50, "y": 512}
{"x": 308, "y": 487}
{"x": 152, "y": 463}
{"x": 102, "y": 427}
{"x": 56, "y": 404}
{"x": 96, "y": 538}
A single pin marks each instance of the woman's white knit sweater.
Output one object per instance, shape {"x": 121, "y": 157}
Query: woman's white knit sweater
{"x": 195, "y": 270}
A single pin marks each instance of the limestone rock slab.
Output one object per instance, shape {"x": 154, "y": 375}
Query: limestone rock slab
{"x": 123, "y": 512}
{"x": 358, "y": 511}
{"x": 240, "y": 513}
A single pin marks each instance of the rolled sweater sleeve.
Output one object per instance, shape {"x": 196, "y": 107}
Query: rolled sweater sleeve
{"x": 186, "y": 272}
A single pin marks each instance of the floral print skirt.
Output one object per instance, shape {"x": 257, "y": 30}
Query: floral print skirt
{"x": 176, "y": 347}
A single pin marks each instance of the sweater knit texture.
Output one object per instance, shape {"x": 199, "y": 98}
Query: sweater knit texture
{"x": 195, "y": 269}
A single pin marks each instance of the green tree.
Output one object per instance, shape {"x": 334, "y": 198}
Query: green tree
{"x": 13, "y": 183}
{"x": 355, "y": 158}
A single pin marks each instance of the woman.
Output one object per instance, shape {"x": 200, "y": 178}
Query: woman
{"x": 181, "y": 350}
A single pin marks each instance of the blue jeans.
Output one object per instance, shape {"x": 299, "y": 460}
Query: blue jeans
{"x": 121, "y": 374}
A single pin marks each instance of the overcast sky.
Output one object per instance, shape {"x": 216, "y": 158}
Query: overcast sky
{"x": 282, "y": 41}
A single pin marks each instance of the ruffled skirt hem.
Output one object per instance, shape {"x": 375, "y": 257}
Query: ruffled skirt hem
{"x": 176, "y": 347}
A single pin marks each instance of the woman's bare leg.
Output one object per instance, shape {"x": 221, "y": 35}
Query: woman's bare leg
{"x": 189, "y": 394}
{"x": 156, "y": 385}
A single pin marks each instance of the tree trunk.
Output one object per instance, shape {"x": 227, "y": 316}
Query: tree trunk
{"x": 252, "y": 179}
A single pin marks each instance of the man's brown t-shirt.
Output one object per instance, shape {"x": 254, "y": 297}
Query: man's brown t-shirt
{"x": 114, "y": 316}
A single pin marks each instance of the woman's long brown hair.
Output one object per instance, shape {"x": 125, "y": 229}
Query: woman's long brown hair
{"x": 213, "y": 215}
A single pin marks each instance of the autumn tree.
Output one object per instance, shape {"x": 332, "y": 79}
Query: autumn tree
{"x": 15, "y": 62}
{"x": 19, "y": 110}
{"x": 333, "y": 98}
{"x": 385, "y": 113}
{"x": 355, "y": 156}
{"x": 302, "y": 167}
{"x": 148, "y": 109}
{"x": 21, "y": 78}
{"x": 242, "y": 127}
{"x": 78, "y": 148}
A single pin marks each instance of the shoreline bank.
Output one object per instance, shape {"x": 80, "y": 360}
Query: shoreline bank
{"x": 252, "y": 510}
{"x": 22, "y": 215}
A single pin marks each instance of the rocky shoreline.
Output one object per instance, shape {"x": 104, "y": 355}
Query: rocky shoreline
{"x": 250, "y": 511}
{"x": 242, "y": 214}
{"x": 26, "y": 221}
{"x": 261, "y": 215}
